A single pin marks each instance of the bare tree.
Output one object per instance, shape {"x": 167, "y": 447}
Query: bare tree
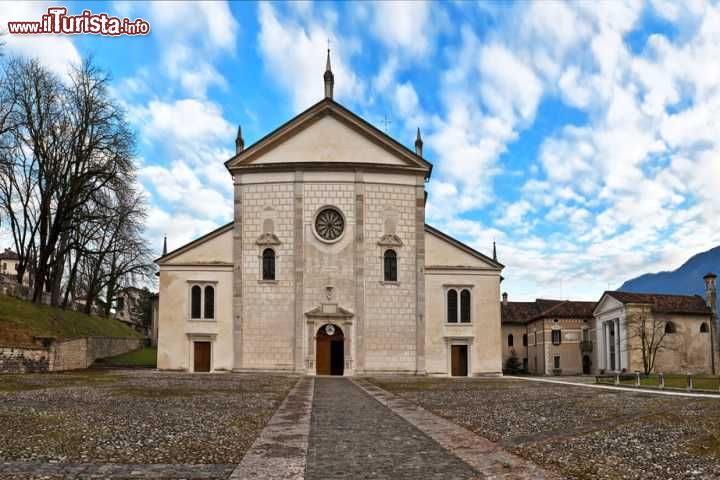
{"x": 65, "y": 165}
{"x": 647, "y": 334}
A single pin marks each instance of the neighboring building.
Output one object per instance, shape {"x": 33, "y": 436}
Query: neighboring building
{"x": 134, "y": 308}
{"x": 328, "y": 266}
{"x": 8, "y": 262}
{"x": 684, "y": 323}
{"x": 549, "y": 337}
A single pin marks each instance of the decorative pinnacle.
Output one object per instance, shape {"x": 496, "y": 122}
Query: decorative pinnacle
{"x": 164, "y": 245}
{"x": 329, "y": 78}
{"x": 418, "y": 144}
{"x": 239, "y": 141}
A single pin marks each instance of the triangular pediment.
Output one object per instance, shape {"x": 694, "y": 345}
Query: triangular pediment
{"x": 607, "y": 303}
{"x": 442, "y": 250}
{"x": 328, "y": 133}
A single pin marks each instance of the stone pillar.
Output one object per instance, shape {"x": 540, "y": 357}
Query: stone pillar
{"x": 237, "y": 279}
{"x": 359, "y": 269}
{"x": 298, "y": 269}
{"x": 606, "y": 326}
{"x": 618, "y": 356}
{"x": 420, "y": 279}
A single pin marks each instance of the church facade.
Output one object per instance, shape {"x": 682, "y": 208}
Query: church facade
{"x": 328, "y": 266}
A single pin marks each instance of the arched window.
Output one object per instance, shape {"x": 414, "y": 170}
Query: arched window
{"x": 465, "y": 306}
{"x": 268, "y": 264}
{"x": 195, "y": 299}
{"x": 390, "y": 266}
{"x": 524, "y": 339}
{"x": 209, "y": 302}
{"x": 452, "y": 306}
{"x": 511, "y": 341}
{"x": 704, "y": 328}
{"x": 669, "y": 327}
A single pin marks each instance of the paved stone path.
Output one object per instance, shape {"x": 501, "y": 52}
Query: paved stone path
{"x": 353, "y": 436}
{"x": 487, "y": 458}
{"x": 281, "y": 450}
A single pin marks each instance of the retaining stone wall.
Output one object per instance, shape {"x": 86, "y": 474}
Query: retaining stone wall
{"x": 70, "y": 354}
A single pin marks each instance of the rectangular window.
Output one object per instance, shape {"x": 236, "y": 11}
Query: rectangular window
{"x": 585, "y": 335}
{"x": 556, "y": 337}
{"x": 556, "y": 361}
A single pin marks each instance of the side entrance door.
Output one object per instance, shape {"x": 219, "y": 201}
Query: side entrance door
{"x": 458, "y": 361}
{"x": 586, "y": 364}
{"x": 201, "y": 356}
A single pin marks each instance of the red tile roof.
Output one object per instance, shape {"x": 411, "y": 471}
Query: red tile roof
{"x": 664, "y": 303}
{"x": 9, "y": 255}
{"x": 524, "y": 312}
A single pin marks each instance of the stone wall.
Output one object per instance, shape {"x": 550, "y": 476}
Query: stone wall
{"x": 24, "y": 360}
{"x": 73, "y": 354}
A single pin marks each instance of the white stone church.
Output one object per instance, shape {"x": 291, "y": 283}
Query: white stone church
{"x": 328, "y": 266}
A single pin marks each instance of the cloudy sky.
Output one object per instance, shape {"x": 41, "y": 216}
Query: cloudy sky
{"x": 584, "y": 138}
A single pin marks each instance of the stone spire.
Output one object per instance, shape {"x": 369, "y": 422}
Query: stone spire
{"x": 239, "y": 141}
{"x": 329, "y": 78}
{"x": 418, "y": 144}
{"x": 494, "y": 252}
{"x": 164, "y": 246}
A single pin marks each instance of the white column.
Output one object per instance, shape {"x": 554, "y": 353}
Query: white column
{"x": 602, "y": 351}
{"x": 618, "y": 362}
{"x": 607, "y": 345}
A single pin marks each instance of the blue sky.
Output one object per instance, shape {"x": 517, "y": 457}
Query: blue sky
{"x": 584, "y": 138}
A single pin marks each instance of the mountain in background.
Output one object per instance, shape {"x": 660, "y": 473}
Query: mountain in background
{"x": 686, "y": 280}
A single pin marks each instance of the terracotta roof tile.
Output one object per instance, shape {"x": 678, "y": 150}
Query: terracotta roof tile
{"x": 664, "y": 303}
{"x": 9, "y": 255}
{"x": 523, "y": 312}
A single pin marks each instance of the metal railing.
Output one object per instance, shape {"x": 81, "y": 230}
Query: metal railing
{"x": 662, "y": 381}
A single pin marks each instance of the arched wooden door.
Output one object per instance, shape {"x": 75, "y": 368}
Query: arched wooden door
{"x": 330, "y": 350}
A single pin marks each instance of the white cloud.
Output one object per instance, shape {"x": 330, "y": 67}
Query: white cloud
{"x": 293, "y": 52}
{"x": 405, "y": 26}
{"x": 56, "y": 52}
{"x": 184, "y": 123}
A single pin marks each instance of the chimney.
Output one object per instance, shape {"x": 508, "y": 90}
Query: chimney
{"x": 505, "y": 298}
{"x": 711, "y": 293}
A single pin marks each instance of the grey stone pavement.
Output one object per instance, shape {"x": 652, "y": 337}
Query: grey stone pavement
{"x": 353, "y": 436}
{"x": 332, "y": 428}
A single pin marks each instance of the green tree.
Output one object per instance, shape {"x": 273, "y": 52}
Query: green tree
{"x": 512, "y": 364}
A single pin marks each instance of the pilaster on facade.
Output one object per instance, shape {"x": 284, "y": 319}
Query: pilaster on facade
{"x": 359, "y": 271}
{"x": 298, "y": 269}
{"x": 237, "y": 279}
{"x": 420, "y": 277}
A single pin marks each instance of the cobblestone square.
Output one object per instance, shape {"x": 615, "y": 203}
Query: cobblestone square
{"x": 135, "y": 418}
{"x": 579, "y": 432}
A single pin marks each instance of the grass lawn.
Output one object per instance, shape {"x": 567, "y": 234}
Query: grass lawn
{"x": 21, "y": 320}
{"x": 144, "y": 357}
{"x": 700, "y": 382}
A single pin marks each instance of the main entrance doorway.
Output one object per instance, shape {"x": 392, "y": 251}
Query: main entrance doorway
{"x": 586, "y": 364}
{"x": 459, "y": 360}
{"x": 330, "y": 350}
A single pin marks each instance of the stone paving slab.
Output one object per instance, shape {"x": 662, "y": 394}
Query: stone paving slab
{"x": 355, "y": 437}
{"x": 26, "y": 470}
{"x": 486, "y": 457}
{"x": 280, "y": 451}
